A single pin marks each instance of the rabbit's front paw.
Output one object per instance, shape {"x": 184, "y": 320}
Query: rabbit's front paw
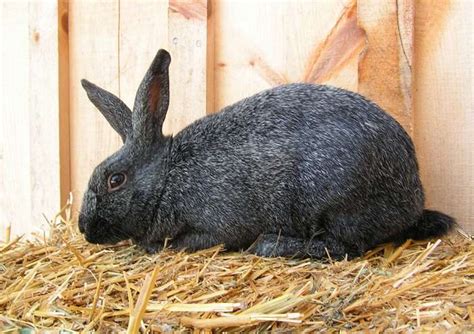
{"x": 151, "y": 248}
{"x": 265, "y": 245}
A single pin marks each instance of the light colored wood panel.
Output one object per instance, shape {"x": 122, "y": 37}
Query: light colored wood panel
{"x": 444, "y": 124}
{"x": 43, "y": 97}
{"x": 15, "y": 182}
{"x": 93, "y": 54}
{"x": 30, "y": 115}
{"x": 143, "y": 31}
{"x": 385, "y": 68}
{"x": 260, "y": 44}
{"x": 188, "y": 45}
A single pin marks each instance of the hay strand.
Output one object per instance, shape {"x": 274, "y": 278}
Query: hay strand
{"x": 140, "y": 307}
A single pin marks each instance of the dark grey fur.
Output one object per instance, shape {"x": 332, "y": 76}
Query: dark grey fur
{"x": 297, "y": 170}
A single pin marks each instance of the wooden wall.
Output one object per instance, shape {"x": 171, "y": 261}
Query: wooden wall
{"x": 444, "y": 122}
{"x": 414, "y": 58}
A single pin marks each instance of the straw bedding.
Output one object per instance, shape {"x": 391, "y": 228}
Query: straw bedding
{"x": 58, "y": 281}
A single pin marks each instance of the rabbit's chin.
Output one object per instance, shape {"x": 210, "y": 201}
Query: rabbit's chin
{"x": 100, "y": 239}
{"x": 103, "y": 235}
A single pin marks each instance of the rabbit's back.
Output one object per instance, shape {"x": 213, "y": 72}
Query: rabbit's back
{"x": 290, "y": 160}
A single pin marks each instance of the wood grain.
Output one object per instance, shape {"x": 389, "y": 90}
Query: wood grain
{"x": 43, "y": 100}
{"x": 444, "y": 123}
{"x": 29, "y": 153}
{"x": 15, "y": 183}
{"x": 341, "y": 47}
{"x": 385, "y": 68}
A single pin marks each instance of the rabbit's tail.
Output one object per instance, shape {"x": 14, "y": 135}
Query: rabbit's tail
{"x": 432, "y": 224}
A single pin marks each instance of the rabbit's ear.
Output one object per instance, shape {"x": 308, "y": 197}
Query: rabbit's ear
{"x": 152, "y": 99}
{"x": 114, "y": 110}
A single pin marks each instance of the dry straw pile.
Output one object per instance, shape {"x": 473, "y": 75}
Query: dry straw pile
{"x": 59, "y": 281}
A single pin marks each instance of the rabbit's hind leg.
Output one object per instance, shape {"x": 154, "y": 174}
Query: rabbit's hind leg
{"x": 274, "y": 245}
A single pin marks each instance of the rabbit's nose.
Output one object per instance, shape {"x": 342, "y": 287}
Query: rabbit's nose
{"x": 82, "y": 225}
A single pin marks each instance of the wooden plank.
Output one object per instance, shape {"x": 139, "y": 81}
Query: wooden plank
{"x": 93, "y": 53}
{"x": 385, "y": 69}
{"x": 444, "y": 123}
{"x": 258, "y": 45}
{"x": 190, "y": 99}
{"x": 44, "y": 110}
{"x": 15, "y": 183}
{"x": 30, "y": 115}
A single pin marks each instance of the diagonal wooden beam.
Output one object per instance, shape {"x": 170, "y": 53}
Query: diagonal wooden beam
{"x": 345, "y": 42}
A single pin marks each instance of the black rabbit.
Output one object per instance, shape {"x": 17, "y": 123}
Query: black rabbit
{"x": 298, "y": 170}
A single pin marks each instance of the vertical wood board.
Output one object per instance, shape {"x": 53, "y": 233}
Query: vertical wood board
{"x": 444, "y": 124}
{"x": 15, "y": 183}
{"x": 44, "y": 112}
{"x": 188, "y": 45}
{"x": 29, "y": 153}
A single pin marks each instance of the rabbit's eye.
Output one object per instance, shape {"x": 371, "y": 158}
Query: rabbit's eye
{"x": 116, "y": 180}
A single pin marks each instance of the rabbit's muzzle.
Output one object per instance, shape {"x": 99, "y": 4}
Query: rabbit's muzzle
{"x": 82, "y": 227}
{"x": 97, "y": 229}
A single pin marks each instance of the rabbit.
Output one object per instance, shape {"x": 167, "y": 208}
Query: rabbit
{"x": 300, "y": 170}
